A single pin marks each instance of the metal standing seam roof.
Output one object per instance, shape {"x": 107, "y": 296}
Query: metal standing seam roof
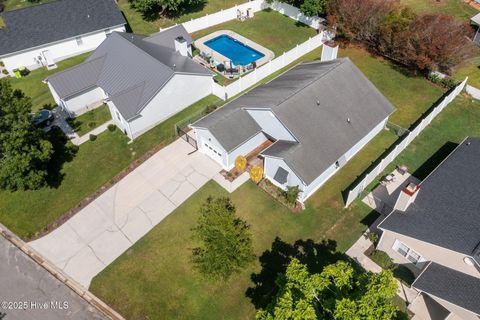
{"x": 314, "y": 101}
{"x": 446, "y": 211}
{"x": 132, "y": 70}
{"x": 476, "y": 19}
{"x": 55, "y": 21}
{"x": 450, "y": 285}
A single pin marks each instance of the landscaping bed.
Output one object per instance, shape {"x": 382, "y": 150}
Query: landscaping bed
{"x": 400, "y": 272}
{"x": 90, "y": 120}
{"x": 278, "y": 194}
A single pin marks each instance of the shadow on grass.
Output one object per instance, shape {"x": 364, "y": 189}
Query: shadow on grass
{"x": 156, "y": 12}
{"x": 64, "y": 152}
{"x": 316, "y": 255}
{"x": 428, "y": 166}
{"x": 128, "y": 27}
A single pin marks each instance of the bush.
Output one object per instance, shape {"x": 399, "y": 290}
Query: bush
{"x": 111, "y": 127}
{"x": 291, "y": 194}
{"x": 1, "y": 62}
{"x": 92, "y": 137}
{"x": 446, "y": 82}
{"x": 382, "y": 259}
{"x": 210, "y": 108}
{"x": 4, "y": 71}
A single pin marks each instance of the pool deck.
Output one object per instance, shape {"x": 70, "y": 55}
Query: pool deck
{"x": 200, "y": 45}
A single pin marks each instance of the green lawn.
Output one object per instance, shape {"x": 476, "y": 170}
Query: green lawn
{"x": 456, "y": 8}
{"x": 18, "y": 4}
{"x": 139, "y": 25}
{"x": 154, "y": 279}
{"x": 27, "y": 212}
{"x": 33, "y": 86}
{"x": 90, "y": 120}
{"x": 411, "y": 95}
{"x": 264, "y": 29}
{"x": 470, "y": 69}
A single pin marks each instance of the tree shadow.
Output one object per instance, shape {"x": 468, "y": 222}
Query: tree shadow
{"x": 64, "y": 152}
{"x": 316, "y": 255}
{"x": 153, "y": 13}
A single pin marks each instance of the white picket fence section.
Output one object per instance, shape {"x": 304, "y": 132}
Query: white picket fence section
{"x": 260, "y": 73}
{"x": 474, "y": 92}
{"x": 358, "y": 189}
{"x": 255, "y": 5}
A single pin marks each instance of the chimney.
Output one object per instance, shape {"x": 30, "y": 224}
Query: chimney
{"x": 406, "y": 197}
{"x": 181, "y": 46}
{"x": 329, "y": 51}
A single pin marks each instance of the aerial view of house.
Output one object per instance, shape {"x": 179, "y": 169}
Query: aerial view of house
{"x": 266, "y": 160}
{"x": 139, "y": 94}
{"x": 41, "y": 35}
{"x": 308, "y": 123}
{"x": 434, "y": 230}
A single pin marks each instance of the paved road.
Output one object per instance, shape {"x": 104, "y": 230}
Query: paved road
{"x": 29, "y": 292}
{"x": 107, "y": 227}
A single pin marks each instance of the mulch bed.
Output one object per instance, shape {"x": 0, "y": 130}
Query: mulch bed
{"x": 275, "y": 192}
{"x": 86, "y": 201}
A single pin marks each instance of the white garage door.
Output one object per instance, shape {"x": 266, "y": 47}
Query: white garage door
{"x": 212, "y": 152}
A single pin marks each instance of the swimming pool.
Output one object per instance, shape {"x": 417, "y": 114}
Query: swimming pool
{"x": 237, "y": 52}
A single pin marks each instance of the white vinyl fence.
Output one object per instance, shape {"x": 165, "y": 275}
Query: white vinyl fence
{"x": 267, "y": 69}
{"x": 358, "y": 189}
{"x": 241, "y": 84}
{"x": 255, "y": 5}
{"x": 474, "y": 92}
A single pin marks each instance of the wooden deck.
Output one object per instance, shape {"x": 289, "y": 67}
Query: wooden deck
{"x": 253, "y": 158}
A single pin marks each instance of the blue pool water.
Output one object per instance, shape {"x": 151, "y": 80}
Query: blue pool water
{"x": 239, "y": 53}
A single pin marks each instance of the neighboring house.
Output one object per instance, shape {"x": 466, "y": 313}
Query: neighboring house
{"x": 475, "y": 21}
{"x": 144, "y": 80}
{"x": 434, "y": 230}
{"x": 41, "y": 35}
{"x": 317, "y": 115}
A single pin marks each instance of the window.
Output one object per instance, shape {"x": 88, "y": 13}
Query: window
{"x": 408, "y": 253}
{"x": 79, "y": 41}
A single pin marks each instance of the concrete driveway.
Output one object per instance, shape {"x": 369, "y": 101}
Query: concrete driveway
{"x": 107, "y": 227}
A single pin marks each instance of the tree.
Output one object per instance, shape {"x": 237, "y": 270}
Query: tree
{"x": 154, "y": 8}
{"x": 24, "y": 153}
{"x": 240, "y": 163}
{"x": 338, "y": 292}
{"x": 226, "y": 243}
{"x": 312, "y": 8}
{"x": 256, "y": 174}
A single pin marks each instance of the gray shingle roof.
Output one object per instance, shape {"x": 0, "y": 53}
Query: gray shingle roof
{"x": 54, "y": 21}
{"x": 323, "y": 132}
{"x": 130, "y": 70}
{"x": 450, "y": 285}
{"x": 446, "y": 211}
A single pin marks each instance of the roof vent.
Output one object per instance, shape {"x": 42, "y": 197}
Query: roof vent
{"x": 349, "y": 121}
{"x": 318, "y": 102}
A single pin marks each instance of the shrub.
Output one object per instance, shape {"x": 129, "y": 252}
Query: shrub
{"x": 111, "y": 127}
{"x": 92, "y": 124}
{"x": 291, "y": 194}
{"x": 92, "y": 137}
{"x": 404, "y": 274}
{"x": 372, "y": 236}
{"x": 210, "y": 108}
{"x": 382, "y": 259}
{"x": 1, "y": 62}
{"x": 4, "y": 71}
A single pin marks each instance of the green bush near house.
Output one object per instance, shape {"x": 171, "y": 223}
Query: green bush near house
{"x": 382, "y": 259}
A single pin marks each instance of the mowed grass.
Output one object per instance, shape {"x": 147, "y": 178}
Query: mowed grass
{"x": 456, "y": 8}
{"x": 154, "y": 279}
{"x": 139, "y": 24}
{"x": 412, "y": 95}
{"x": 268, "y": 28}
{"x": 90, "y": 120}
{"x": 33, "y": 86}
{"x": 18, "y": 4}
{"x": 28, "y": 212}
{"x": 470, "y": 69}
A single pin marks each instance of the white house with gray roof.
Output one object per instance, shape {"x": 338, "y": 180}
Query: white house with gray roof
{"x": 143, "y": 80}
{"x": 434, "y": 229}
{"x": 317, "y": 115}
{"x": 43, "y": 34}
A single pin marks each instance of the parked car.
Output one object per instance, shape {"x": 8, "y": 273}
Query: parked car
{"x": 43, "y": 118}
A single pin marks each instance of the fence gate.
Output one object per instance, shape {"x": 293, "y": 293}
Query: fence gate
{"x": 185, "y": 136}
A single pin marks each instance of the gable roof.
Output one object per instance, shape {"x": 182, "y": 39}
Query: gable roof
{"x": 54, "y": 21}
{"x": 446, "y": 211}
{"x": 322, "y": 130}
{"x": 129, "y": 69}
{"x": 450, "y": 285}
{"x": 476, "y": 19}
